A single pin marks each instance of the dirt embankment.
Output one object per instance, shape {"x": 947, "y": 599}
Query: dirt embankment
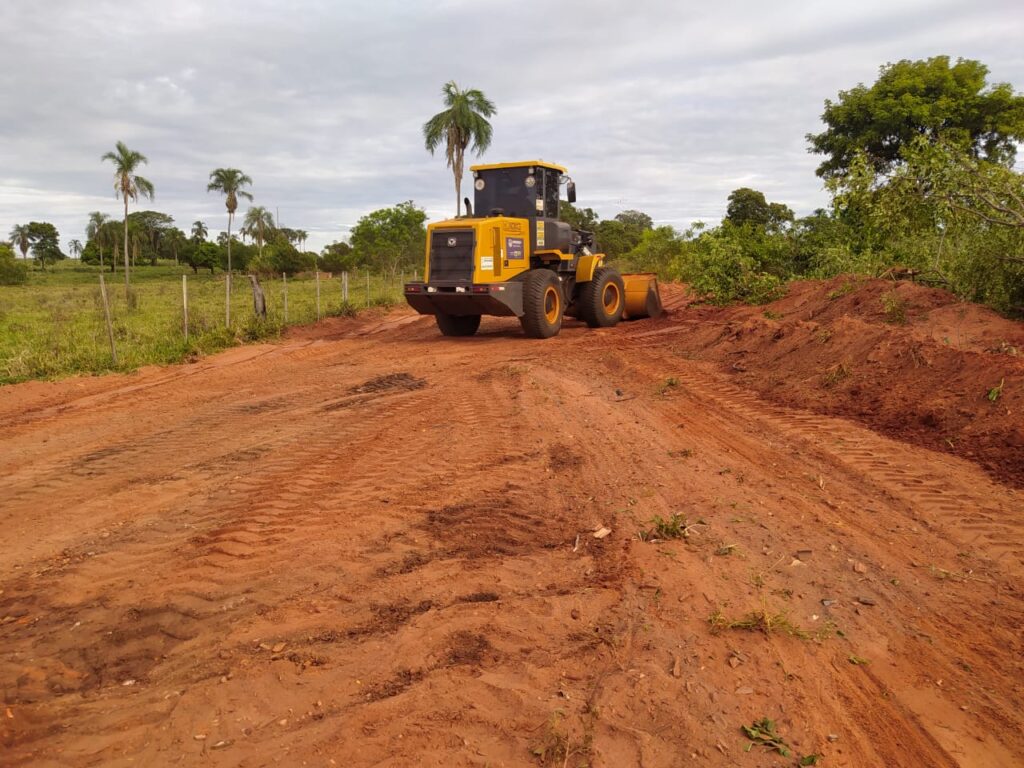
{"x": 910, "y": 361}
{"x": 368, "y": 545}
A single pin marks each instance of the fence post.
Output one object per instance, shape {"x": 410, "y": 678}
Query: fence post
{"x": 344, "y": 286}
{"x": 284, "y": 279}
{"x": 318, "y": 295}
{"x": 227, "y": 301}
{"x": 367, "y": 286}
{"x": 106, "y": 314}
{"x": 184, "y": 303}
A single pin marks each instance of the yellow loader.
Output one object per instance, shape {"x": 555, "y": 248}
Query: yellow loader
{"x": 517, "y": 258}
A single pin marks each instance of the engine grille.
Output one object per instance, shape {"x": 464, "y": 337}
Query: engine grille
{"x": 451, "y": 254}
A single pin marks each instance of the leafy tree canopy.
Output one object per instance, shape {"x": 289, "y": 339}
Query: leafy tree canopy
{"x": 45, "y": 242}
{"x": 391, "y": 238}
{"x": 930, "y": 98}
{"x": 749, "y": 206}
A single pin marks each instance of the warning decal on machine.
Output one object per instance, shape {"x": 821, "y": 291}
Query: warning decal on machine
{"x": 540, "y": 234}
{"x": 487, "y": 263}
{"x": 513, "y": 247}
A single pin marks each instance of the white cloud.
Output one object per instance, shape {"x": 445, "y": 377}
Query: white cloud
{"x": 663, "y": 106}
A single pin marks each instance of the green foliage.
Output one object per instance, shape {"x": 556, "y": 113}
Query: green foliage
{"x": 748, "y": 206}
{"x": 930, "y": 98}
{"x": 281, "y": 257}
{"x": 764, "y": 734}
{"x": 391, "y": 238}
{"x": 337, "y": 257}
{"x": 578, "y": 218}
{"x": 462, "y": 122}
{"x": 12, "y": 271}
{"x": 45, "y": 243}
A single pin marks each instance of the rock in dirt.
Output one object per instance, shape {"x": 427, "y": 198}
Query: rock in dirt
{"x": 600, "y": 533}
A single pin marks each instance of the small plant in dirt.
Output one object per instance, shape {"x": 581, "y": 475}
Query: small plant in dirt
{"x": 673, "y": 527}
{"x": 726, "y": 549}
{"x": 763, "y": 733}
{"x": 553, "y": 746}
{"x": 823, "y": 336}
{"x": 762, "y": 620}
{"x": 835, "y": 374}
{"x": 996, "y": 392}
{"x": 809, "y": 760}
{"x": 894, "y": 308}
{"x": 769, "y": 315}
{"x": 669, "y": 384}
{"x": 682, "y": 453}
{"x": 856, "y": 660}
{"x": 844, "y": 289}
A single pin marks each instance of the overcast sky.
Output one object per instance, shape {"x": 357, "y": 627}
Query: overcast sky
{"x": 661, "y": 106}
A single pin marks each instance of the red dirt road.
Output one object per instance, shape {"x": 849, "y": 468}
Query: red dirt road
{"x": 368, "y": 545}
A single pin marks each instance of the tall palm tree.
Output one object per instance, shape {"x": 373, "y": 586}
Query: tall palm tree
{"x": 75, "y": 248}
{"x": 199, "y": 231}
{"x": 464, "y": 120}
{"x": 301, "y": 235}
{"x": 258, "y": 222}
{"x": 21, "y": 236}
{"x": 129, "y": 186}
{"x": 95, "y": 230}
{"x": 229, "y": 182}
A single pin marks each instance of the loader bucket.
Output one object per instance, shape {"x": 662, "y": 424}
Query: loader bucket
{"x": 642, "y": 297}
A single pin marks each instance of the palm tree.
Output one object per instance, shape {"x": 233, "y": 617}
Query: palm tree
{"x": 21, "y": 236}
{"x": 463, "y": 121}
{"x": 95, "y": 230}
{"x": 229, "y": 181}
{"x": 258, "y": 222}
{"x": 199, "y": 231}
{"x": 301, "y": 236}
{"x": 75, "y": 247}
{"x": 129, "y": 186}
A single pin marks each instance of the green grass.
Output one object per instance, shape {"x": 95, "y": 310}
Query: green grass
{"x": 53, "y": 326}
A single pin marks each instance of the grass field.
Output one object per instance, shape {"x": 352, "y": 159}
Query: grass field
{"x": 53, "y": 326}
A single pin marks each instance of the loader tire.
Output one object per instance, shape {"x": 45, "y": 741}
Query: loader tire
{"x": 543, "y": 304}
{"x": 457, "y": 325}
{"x": 602, "y": 299}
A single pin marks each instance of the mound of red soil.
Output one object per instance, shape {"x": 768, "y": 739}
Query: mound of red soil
{"x": 910, "y": 361}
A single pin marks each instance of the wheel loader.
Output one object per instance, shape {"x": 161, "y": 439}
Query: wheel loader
{"x": 515, "y": 257}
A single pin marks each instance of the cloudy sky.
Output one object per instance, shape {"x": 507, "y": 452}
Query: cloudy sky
{"x": 662, "y": 106}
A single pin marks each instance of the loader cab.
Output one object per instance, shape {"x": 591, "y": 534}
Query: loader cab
{"x": 527, "y": 190}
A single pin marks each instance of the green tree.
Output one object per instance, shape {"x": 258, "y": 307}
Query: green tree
{"x": 578, "y": 218}
{"x": 391, "y": 238}
{"x": 463, "y": 121}
{"x": 95, "y": 231}
{"x": 749, "y": 206}
{"x": 45, "y": 243}
{"x": 21, "y": 238}
{"x": 129, "y": 185}
{"x": 920, "y": 98}
{"x": 258, "y": 224}
{"x": 75, "y": 249}
{"x": 199, "y": 232}
{"x": 337, "y": 257}
{"x": 229, "y": 182}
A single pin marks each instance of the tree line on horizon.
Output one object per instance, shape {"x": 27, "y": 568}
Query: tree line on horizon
{"x": 919, "y": 166}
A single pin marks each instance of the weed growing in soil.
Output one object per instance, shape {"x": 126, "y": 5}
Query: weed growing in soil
{"x": 823, "y": 336}
{"x": 762, "y": 733}
{"x": 996, "y": 392}
{"x": 762, "y": 620}
{"x": 675, "y": 527}
{"x": 842, "y": 290}
{"x": 553, "y": 746}
{"x": 894, "y": 308}
{"x": 683, "y": 453}
{"x": 670, "y": 383}
{"x": 835, "y": 374}
{"x": 769, "y": 315}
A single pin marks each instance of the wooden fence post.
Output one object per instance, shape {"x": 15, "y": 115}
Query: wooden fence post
{"x": 184, "y": 303}
{"x": 106, "y": 314}
{"x": 318, "y": 295}
{"x": 284, "y": 279}
{"x": 259, "y": 301}
{"x": 344, "y": 286}
{"x": 367, "y": 286}
{"x": 227, "y": 301}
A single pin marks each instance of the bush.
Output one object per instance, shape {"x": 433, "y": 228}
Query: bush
{"x": 12, "y": 271}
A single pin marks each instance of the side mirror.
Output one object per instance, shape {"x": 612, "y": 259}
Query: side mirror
{"x": 570, "y": 191}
